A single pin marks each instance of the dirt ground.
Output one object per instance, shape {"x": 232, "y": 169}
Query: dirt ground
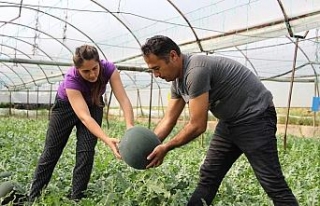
{"x": 296, "y": 130}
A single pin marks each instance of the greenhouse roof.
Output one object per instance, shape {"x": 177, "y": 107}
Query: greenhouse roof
{"x": 271, "y": 37}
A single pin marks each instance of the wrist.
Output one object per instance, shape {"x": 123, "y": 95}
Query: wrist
{"x": 105, "y": 139}
{"x": 130, "y": 126}
{"x": 169, "y": 146}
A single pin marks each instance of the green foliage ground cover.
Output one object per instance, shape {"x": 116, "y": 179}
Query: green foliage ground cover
{"x": 114, "y": 183}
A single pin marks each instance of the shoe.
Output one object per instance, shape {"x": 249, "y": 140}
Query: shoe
{"x": 77, "y": 197}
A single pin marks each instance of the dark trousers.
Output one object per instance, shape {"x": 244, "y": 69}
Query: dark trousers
{"x": 257, "y": 141}
{"x": 62, "y": 121}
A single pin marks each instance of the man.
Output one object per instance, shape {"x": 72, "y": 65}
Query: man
{"x": 244, "y": 107}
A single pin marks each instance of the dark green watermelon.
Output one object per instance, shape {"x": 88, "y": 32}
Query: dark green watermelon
{"x": 5, "y": 174}
{"x": 137, "y": 143}
{"x": 5, "y": 188}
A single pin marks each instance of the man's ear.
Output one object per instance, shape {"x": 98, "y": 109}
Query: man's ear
{"x": 173, "y": 54}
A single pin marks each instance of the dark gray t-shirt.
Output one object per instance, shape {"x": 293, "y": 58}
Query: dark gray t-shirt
{"x": 235, "y": 93}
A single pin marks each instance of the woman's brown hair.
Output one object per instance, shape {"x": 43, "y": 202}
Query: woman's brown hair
{"x": 87, "y": 52}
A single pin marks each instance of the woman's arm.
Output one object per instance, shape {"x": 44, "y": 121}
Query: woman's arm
{"x": 81, "y": 109}
{"x": 122, "y": 98}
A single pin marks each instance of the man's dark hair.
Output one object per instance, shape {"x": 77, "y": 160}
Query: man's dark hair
{"x": 160, "y": 46}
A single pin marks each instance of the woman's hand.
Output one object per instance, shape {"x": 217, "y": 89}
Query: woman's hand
{"x": 130, "y": 126}
{"x": 113, "y": 144}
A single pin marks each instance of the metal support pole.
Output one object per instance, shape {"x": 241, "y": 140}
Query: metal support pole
{"x": 37, "y": 108}
{"x": 28, "y": 103}
{"x": 150, "y": 102}
{"x": 10, "y": 104}
{"x": 50, "y": 102}
{"x": 314, "y": 112}
{"x": 108, "y": 108}
{"x": 290, "y": 91}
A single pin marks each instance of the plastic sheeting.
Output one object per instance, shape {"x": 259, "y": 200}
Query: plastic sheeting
{"x": 37, "y": 38}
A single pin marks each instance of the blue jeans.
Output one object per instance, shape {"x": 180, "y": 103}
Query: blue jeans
{"x": 257, "y": 141}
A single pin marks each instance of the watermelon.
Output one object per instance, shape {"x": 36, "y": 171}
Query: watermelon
{"x": 5, "y": 174}
{"x": 136, "y": 144}
{"x": 5, "y": 188}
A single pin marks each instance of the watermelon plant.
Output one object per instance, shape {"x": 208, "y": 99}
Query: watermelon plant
{"x": 115, "y": 183}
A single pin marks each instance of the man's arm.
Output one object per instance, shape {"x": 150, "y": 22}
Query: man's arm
{"x": 198, "y": 111}
{"x": 173, "y": 111}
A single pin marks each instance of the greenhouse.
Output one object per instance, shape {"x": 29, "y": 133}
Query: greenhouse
{"x": 278, "y": 40}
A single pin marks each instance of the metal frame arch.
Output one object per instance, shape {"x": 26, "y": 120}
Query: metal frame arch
{"x": 24, "y": 69}
{"x": 246, "y": 57}
{"x": 45, "y": 34}
{"x": 29, "y": 58}
{"x": 4, "y": 84}
{"x": 10, "y": 67}
{"x": 286, "y": 20}
{"x": 314, "y": 70}
{"x": 131, "y": 32}
{"x": 289, "y": 71}
{"x": 21, "y": 79}
{"x": 19, "y": 14}
{"x": 31, "y": 45}
{"x": 76, "y": 28}
{"x": 190, "y": 26}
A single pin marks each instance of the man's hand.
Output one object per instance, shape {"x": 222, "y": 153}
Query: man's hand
{"x": 157, "y": 155}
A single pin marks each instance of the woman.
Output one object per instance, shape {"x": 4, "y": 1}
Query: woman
{"x": 79, "y": 104}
